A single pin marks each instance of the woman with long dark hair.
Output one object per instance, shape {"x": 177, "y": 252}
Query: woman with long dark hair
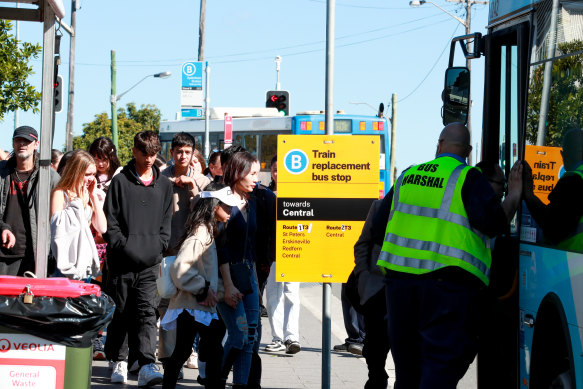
{"x": 105, "y": 154}
{"x": 237, "y": 257}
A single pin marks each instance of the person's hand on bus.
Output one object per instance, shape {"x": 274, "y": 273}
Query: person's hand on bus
{"x": 8, "y": 239}
{"x": 515, "y": 179}
{"x": 527, "y": 181}
{"x": 512, "y": 199}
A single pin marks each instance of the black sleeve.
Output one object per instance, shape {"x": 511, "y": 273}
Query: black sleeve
{"x": 112, "y": 208}
{"x": 381, "y": 218}
{"x": 483, "y": 207}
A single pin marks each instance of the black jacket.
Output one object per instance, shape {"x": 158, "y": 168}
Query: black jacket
{"x": 138, "y": 220}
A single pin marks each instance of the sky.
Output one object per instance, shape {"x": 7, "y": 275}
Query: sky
{"x": 381, "y": 48}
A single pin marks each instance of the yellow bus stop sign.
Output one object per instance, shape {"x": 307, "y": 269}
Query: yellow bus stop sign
{"x": 325, "y": 187}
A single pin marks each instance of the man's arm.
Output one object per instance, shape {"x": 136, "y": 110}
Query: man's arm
{"x": 373, "y": 232}
{"x": 560, "y": 217}
{"x": 485, "y": 212}
{"x": 165, "y": 226}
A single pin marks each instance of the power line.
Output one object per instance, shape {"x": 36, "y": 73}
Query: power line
{"x": 434, "y": 65}
{"x": 298, "y": 45}
{"x": 178, "y": 61}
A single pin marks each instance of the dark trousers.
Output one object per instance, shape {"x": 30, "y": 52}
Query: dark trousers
{"x": 209, "y": 348}
{"x": 353, "y": 321}
{"x": 16, "y": 266}
{"x": 376, "y": 342}
{"x": 135, "y": 300}
{"x": 433, "y": 331}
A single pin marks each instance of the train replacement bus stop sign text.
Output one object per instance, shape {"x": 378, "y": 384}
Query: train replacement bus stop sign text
{"x": 326, "y": 184}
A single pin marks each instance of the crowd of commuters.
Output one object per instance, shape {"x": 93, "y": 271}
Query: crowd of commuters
{"x": 421, "y": 261}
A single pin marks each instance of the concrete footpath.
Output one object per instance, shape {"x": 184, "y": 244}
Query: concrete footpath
{"x": 302, "y": 370}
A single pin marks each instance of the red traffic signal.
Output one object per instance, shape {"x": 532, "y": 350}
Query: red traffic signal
{"x": 278, "y": 99}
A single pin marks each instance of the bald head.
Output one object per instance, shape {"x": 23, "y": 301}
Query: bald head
{"x": 455, "y": 139}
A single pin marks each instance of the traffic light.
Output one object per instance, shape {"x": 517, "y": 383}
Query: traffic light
{"x": 58, "y": 93}
{"x": 278, "y": 99}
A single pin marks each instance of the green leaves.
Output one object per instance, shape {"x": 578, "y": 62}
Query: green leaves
{"x": 130, "y": 121}
{"x": 566, "y": 96}
{"x": 15, "y": 91}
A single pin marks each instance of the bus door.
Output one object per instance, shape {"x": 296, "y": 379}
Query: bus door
{"x": 506, "y": 52}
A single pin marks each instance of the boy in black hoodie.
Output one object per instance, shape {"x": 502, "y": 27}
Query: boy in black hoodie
{"x": 138, "y": 208}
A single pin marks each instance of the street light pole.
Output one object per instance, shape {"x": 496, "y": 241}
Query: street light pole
{"x": 115, "y": 98}
{"x": 277, "y": 68}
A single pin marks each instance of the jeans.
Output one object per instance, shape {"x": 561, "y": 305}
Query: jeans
{"x": 283, "y": 308}
{"x": 241, "y": 323}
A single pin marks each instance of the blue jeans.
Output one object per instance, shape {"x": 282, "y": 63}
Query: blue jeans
{"x": 241, "y": 324}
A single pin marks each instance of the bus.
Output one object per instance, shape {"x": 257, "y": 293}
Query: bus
{"x": 256, "y": 129}
{"x": 533, "y": 95}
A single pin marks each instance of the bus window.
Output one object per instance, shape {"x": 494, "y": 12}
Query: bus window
{"x": 268, "y": 150}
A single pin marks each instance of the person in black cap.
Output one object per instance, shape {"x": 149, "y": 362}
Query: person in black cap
{"x": 19, "y": 203}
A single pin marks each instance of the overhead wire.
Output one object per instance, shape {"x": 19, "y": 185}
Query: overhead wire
{"x": 178, "y": 61}
{"x": 433, "y": 66}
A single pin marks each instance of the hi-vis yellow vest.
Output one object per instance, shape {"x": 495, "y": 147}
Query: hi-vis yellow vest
{"x": 575, "y": 241}
{"x": 428, "y": 226}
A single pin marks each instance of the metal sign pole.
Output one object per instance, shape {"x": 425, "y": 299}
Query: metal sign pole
{"x": 326, "y": 286}
{"x": 207, "y": 113}
{"x": 46, "y": 126}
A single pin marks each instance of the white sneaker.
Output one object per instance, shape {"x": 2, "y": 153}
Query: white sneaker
{"x": 120, "y": 373}
{"x": 192, "y": 362}
{"x": 149, "y": 375}
{"x": 277, "y": 345}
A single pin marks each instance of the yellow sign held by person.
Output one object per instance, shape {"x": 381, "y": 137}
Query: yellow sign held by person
{"x": 546, "y": 163}
{"x": 325, "y": 187}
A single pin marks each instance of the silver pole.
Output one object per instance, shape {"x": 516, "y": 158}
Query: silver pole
{"x": 326, "y": 286}
{"x": 393, "y": 138}
{"x": 46, "y": 128}
{"x": 207, "y": 100}
{"x": 70, "y": 101}
{"x": 548, "y": 77}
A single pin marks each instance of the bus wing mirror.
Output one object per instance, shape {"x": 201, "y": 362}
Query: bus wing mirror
{"x": 456, "y": 95}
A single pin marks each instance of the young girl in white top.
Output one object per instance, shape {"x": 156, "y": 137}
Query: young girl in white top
{"x": 192, "y": 310}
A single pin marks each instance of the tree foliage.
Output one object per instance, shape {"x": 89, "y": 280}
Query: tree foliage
{"x": 566, "y": 96}
{"x": 130, "y": 121}
{"x": 15, "y": 91}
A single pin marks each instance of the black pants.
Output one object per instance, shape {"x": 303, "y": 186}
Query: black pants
{"x": 135, "y": 300}
{"x": 16, "y": 266}
{"x": 210, "y": 349}
{"x": 376, "y": 342}
{"x": 433, "y": 331}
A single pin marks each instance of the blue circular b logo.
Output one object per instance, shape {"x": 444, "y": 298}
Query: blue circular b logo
{"x": 296, "y": 161}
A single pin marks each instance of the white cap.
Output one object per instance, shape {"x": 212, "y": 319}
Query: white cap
{"x": 225, "y": 195}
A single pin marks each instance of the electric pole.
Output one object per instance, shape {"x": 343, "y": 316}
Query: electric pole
{"x": 468, "y": 5}
{"x": 201, "y": 30}
{"x": 70, "y": 110}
